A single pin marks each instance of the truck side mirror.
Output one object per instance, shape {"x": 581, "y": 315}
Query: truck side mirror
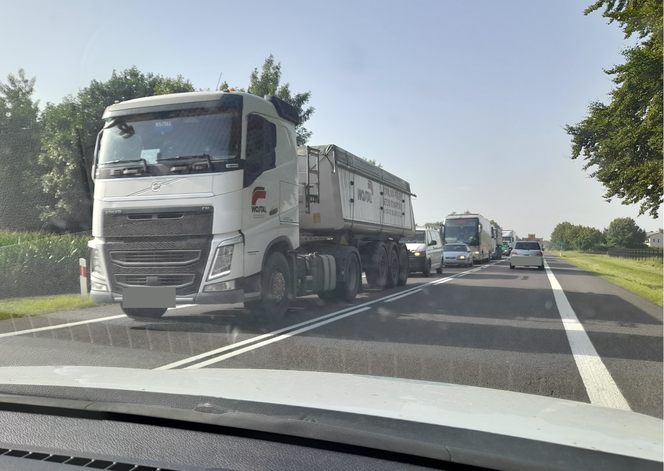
{"x": 433, "y": 242}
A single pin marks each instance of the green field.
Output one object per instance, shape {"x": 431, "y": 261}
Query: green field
{"x": 19, "y": 307}
{"x": 642, "y": 277}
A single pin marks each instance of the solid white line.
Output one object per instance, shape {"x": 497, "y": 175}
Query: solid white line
{"x": 600, "y": 386}
{"x": 60, "y": 326}
{"x": 272, "y": 340}
{"x": 403, "y": 295}
{"x": 301, "y": 324}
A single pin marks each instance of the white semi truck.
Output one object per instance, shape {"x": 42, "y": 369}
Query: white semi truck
{"x": 510, "y": 237}
{"x": 474, "y": 230}
{"x": 204, "y": 198}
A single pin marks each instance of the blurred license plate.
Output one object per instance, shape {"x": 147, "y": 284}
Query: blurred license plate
{"x": 148, "y": 296}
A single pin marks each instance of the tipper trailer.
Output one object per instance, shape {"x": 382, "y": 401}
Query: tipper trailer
{"x": 204, "y": 198}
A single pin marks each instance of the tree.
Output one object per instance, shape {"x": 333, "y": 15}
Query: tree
{"x": 20, "y": 191}
{"x": 372, "y": 162}
{"x": 69, "y": 136}
{"x": 623, "y": 232}
{"x": 267, "y": 81}
{"x": 622, "y": 142}
{"x": 588, "y": 238}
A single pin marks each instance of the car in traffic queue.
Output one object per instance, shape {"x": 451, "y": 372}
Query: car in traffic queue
{"x": 457, "y": 255}
{"x": 425, "y": 250}
{"x": 527, "y": 253}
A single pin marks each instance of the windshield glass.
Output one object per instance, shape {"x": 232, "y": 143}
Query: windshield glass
{"x": 212, "y": 198}
{"x": 462, "y": 230}
{"x": 455, "y": 248}
{"x": 419, "y": 237}
{"x": 158, "y": 136}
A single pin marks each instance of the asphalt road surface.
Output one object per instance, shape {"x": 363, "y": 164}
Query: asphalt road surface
{"x": 562, "y": 332}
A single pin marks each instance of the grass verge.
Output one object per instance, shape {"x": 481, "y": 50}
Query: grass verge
{"x": 19, "y": 307}
{"x": 644, "y": 278}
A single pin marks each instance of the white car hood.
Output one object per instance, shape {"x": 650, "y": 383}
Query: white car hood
{"x": 503, "y": 412}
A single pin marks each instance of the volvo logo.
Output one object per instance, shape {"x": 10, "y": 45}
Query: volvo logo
{"x": 156, "y": 186}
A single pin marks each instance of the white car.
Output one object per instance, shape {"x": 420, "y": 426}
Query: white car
{"x": 457, "y": 255}
{"x": 425, "y": 250}
{"x": 527, "y": 253}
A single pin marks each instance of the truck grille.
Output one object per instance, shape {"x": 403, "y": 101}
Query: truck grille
{"x": 157, "y": 257}
{"x": 176, "y": 280}
{"x": 157, "y": 261}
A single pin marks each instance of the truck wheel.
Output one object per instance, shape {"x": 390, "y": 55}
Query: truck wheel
{"x": 346, "y": 290}
{"x": 427, "y": 269}
{"x": 377, "y": 274}
{"x": 144, "y": 314}
{"x": 393, "y": 265}
{"x": 276, "y": 289}
{"x": 404, "y": 266}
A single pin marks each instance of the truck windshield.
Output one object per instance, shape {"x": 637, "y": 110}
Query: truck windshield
{"x": 418, "y": 237}
{"x": 462, "y": 230}
{"x": 170, "y": 135}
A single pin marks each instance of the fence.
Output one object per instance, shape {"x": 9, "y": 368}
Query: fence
{"x": 638, "y": 254}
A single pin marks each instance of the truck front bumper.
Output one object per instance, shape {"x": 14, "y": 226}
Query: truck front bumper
{"x": 222, "y": 297}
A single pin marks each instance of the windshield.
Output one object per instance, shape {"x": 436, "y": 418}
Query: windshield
{"x": 162, "y": 136}
{"x": 195, "y": 194}
{"x": 455, "y": 248}
{"x": 462, "y": 230}
{"x": 419, "y": 237}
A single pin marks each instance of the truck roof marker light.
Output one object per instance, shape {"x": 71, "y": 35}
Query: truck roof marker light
{"x": 231, "y": 89}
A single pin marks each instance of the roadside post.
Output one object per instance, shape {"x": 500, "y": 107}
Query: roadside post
{"x": 83, "y": 276}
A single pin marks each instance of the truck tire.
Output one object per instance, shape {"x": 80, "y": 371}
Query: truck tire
{"x": 404, "y": 266}
{"x": 377, "y": 273}
{"x": 346, "y": 290}
{"x": 392, "y": 265}
{"x": 275, "y": 288}
{"x": 144, "y": 314}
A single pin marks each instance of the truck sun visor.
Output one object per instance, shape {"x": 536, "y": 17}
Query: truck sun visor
{"x": 284, "y": 110}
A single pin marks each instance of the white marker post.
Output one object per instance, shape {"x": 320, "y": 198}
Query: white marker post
{"x": 83, "y": 276}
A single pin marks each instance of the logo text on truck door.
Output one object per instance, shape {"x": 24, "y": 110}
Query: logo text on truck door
{"x": 258, "y": 210}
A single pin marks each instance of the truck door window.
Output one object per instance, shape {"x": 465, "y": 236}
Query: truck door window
{"x": 261, "y": 145}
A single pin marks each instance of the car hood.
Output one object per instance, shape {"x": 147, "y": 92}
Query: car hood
{"x": 507, "y": 413}
{"x": 416, "y": 247}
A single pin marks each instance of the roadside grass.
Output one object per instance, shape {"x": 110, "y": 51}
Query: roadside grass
{"x": 19, "y": 307}
{"x": 12, "y": 238}
{"x": 642, "y": 277}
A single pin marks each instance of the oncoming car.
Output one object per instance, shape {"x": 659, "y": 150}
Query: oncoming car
{"x": 425, "y": 250}
{"x": 527, "y": 254}
{"x": 457, "y": 255}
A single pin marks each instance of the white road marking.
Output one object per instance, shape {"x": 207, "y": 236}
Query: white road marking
{"x": 600, "y": 386}
{"x": 403, "y": 295}
{"x": 341, "y": 315}
{"x": 60, "y": 326}
{"x": 272, "y": 340}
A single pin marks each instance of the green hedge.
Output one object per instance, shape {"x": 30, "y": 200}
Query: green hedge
{"x": 42, "y": 266}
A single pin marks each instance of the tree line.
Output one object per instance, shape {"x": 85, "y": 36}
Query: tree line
{"x": 621, "y": 233}
{"x": 46, "y": 156}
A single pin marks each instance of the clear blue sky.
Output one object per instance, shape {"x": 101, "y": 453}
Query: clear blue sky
{"x": 465, "y": 100}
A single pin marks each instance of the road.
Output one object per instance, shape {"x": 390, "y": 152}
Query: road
{"x": 562, "y": 332}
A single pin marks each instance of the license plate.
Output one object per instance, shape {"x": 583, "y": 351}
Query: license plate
{"x": 148, "y": 296}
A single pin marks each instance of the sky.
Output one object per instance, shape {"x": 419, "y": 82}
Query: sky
{"x": 467, "y": 101}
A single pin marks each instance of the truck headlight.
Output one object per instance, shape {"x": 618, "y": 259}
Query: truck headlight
{"x": 223, "y": 286}
{"x": 477, "y": 252}
{"x": 96, "y": 265}
{"x": 96, "y": 286}
{"x": 221, "y": 265}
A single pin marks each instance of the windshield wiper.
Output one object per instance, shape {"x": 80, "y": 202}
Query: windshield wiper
{"x": 129, "y": 161}
{"x": 186, "y": 157}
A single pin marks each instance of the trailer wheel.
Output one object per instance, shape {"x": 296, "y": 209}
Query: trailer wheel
{"x": 143, "y": 314}
{"x": 346, "y": 290}
{"x": 276, "y": 289}
{"x": 404, "y": 266}
{"x": 393, "y": 265}
{"x": 377, "y": 274}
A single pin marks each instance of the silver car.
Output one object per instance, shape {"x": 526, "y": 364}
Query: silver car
{"x": 458, "y": 255}
{"x": 527, "y": 253}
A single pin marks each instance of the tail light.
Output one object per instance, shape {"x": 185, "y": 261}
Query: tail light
{"x": 515, "y": 252}
{"x": 539, "y": 253}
